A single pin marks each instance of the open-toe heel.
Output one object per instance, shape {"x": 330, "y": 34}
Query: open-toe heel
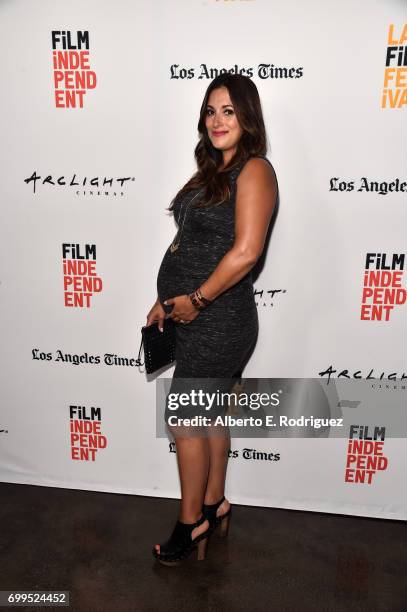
{"x": 180, "y": 544}
{"x": 209, "y": 511}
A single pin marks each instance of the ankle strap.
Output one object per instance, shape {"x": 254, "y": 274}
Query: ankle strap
{"x": 215, "y": 505}
{"x": 193, "y": 525}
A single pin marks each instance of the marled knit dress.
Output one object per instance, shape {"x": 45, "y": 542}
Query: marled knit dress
{"x": 219, "y": 340}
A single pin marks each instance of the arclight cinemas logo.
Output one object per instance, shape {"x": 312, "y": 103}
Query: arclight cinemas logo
{"x": 365, "y": 454}
{"x": 87, "y": 185}
{"x": 85, "y": 435}
{"x": 72, "y": 74}
{"x": 382, "y": 289}
{"x": 80, "y": 278}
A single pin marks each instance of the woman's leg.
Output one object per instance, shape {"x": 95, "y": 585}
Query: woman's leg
{"x": 218, "y": 458}
{"x": 193, "y": 467}
{"x": 219, "y": 445}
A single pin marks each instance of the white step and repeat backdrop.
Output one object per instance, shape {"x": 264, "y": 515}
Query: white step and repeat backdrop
{"x": 99, "y": 108}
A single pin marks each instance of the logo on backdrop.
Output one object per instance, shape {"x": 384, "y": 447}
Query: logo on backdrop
{"x": 250, "y": 454}
{"x": 364, "y": 455}
{"x": 267, "y": 297}
{"x": 93, "y": 186}
{"x": 85, "y": 435}
{"x": 382, "y": 289}
{"x": 80, "y": 278}
{"x": 263, "y": 71}
{"x": 60, "y": 356}
{"x": 394, "y": 93}
{"x": 381, "y": 188}
{"x": 72, "y": 74}
{"x": 357, "y": 374}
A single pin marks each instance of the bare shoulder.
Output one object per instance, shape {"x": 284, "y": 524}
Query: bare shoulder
{"x": 257, "y": 170}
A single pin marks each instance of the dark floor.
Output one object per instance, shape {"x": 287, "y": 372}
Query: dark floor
{"x": 98, "y": 547}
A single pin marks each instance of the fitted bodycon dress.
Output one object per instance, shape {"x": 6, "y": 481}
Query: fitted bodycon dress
{"x": 217, "y": 343}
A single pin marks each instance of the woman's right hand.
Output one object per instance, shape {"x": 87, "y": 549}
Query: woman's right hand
{"x": 157, "y": 313}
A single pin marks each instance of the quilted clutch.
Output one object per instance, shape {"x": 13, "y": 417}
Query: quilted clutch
{"x": 159, "y": 347}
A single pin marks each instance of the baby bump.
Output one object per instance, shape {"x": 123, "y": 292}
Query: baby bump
{"x": 174, "y": 279}
{"x": 188, "y": 267}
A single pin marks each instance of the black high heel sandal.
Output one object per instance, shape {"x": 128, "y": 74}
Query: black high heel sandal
{"x": 209, "y": 511}
{"x": 180, "y": 544}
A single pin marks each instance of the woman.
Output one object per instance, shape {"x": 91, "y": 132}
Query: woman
{"x": 205, "y": 285}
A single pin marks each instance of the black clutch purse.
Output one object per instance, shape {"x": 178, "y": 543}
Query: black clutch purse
{"x": 159, "y": 347}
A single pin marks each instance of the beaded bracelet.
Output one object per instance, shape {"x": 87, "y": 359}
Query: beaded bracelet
{"x": 195, "y": 302}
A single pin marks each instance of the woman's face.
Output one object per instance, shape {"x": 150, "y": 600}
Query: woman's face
{"x": 221, "y": 122}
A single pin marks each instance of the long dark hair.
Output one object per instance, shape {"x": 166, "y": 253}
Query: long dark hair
{"x": 253, "y": 142}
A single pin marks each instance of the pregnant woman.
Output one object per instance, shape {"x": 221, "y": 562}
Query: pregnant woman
{"x": 205, "y": 285}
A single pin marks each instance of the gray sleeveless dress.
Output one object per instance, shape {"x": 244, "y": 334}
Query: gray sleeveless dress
{"x": 212, "y": 350}
{"x": 218, "y": 342}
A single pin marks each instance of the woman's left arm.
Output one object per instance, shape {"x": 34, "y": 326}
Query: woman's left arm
{"x": 255, "y": 202}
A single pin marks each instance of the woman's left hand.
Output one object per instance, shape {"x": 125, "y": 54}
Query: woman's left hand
{"x": 183, "y": 311}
